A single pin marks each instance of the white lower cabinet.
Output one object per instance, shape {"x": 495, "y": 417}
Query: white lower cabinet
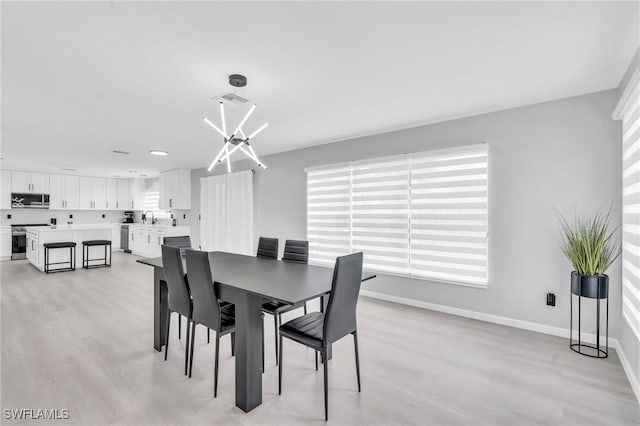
{"x": 147, "y": 240}
{"x": 5, "y": 242}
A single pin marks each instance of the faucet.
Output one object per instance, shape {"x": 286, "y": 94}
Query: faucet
{"x": 153, "y": 219}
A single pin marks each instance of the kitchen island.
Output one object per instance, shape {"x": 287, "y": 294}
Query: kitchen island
{"x": 37, "y": 236}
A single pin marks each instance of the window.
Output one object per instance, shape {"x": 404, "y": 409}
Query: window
{"x": 628, "y": 110}
{"x": 151, "y": 202}
{"x": 422, "y": 215}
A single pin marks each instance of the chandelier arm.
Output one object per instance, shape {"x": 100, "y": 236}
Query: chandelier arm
{"x": 253, "y": 156}
{"x": 229, "y": 153}
{"x": 216, "y": 128}
{"x": 226, "y": 147}
{"x": 222, "y": 119}
{"x": 246, "y": 117}
{"x": 222, "y": 150}
{"x": 261, "y": 128}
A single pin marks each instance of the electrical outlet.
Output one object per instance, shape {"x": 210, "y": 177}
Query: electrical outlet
{"x": 103, "y": 216}
{"x": 9, "y": 216}
{"x": 184, "y": 216}
{"x": 551, "y": 299}
{"x": 70, "y": 216}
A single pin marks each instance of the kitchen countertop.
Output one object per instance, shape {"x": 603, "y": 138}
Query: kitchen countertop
{"x": 73, "y": 227}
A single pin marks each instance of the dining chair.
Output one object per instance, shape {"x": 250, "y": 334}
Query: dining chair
{"x": 267, "y": 248}
{"x": 207, "y": 310}
{"x": 295, "y": 251}
{"x": 182, "y": 242}
{"x": 318, "y": 330}
{"x": 179, "y": 297}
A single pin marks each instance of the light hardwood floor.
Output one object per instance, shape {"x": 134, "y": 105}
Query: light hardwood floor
{"x": 83, "y": 341}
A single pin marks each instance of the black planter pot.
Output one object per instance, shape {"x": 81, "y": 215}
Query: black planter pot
{"x": 592, "y": 286}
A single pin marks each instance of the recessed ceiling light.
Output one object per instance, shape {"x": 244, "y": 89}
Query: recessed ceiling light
{"x": 116, "y": 151}
{"x": 158, "y": 152}
{"x": 69, "y": 170}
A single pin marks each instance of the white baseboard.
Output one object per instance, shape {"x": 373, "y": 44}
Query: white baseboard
{"x": 511, "y": 322}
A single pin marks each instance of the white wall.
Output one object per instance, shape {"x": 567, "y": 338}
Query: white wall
{"x": 563, "y": 154}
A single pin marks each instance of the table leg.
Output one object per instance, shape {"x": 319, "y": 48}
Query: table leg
{"x": 160, "y": 308}
{"x": 248, "y": 350}
{"x": 324, "y": 302}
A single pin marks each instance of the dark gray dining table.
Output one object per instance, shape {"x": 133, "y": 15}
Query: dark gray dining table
{"x": 248, "y": 282}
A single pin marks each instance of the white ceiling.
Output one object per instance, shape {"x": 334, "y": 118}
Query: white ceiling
{"x": 82, "y": 79}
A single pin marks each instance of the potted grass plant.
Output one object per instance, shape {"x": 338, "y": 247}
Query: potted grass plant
{"x": 591, "y": 247}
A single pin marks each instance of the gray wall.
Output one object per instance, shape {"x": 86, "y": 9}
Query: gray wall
{"x": 564, "y": 154}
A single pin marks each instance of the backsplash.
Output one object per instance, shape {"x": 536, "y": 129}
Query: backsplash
{"x": 26, "y": 216}
{"x": 29, "y": 216}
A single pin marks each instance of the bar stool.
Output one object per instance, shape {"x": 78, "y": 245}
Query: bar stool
{"x": 72, "y": 256}
{"x": 96, "y": 243}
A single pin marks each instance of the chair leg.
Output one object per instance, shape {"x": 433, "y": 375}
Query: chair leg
{"x": 193, "y": 339}
{"x": 316, "y": 360}
{"x": 263, "y": 345}
{"x": 326, "y": 385}
{"x": 280, "y": 369}
{"x": 305, "y": 308}
{"x": 355, "y": 345}
{"x": 208, "y": 335}
{"x": 275, "y": 331}
{"x": 233, "y": 344}
{"x": 179, "y": 326}
{"x": 166, "y": 344}
{"x": 215, "y": 369}
{"x": 186, "y": 350}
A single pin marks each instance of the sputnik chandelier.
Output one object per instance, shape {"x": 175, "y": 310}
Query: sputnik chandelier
{"x": 237, "y": 140}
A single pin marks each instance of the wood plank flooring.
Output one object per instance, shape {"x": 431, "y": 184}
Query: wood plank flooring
{"x": 83, "y": 341}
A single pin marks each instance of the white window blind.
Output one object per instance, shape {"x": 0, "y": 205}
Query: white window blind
{"x": 449, "y": 204}
{"x": 423, "y": 215}
{"x": 380, "y": 214}
{"x": 329, "y": 214}
{"x": 151, "y": 202}
{"x": 629, "y": 111}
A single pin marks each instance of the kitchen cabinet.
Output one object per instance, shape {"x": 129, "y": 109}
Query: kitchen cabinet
{"x": 5, "y": 190}
{"x": 123, "y": 190}
{"x": 27, "y": 182}
{"x": 5, "y": 242}
{"x": 63, "y": 192}
{"x": 175, "y": 189}
{"x": 147, "y": 240}
{"x": 136, "y": 187}
{"x": 92, "y": 193}
{"x": 111, "y": 194}
{"x": 32, "y": 247}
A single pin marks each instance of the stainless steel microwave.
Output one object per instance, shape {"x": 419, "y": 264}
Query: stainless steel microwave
{"x": 29, "y": 201}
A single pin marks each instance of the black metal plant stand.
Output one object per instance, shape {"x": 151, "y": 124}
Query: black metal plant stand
{"x": 592, "y": 287}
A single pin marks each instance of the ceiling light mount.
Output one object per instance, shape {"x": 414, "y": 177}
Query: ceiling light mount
{"x": 237, "y": 80}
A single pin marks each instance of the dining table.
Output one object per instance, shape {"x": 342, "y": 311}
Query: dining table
{"x": 248, "y": 282}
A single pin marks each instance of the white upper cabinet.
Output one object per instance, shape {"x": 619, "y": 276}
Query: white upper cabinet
{"x": 63, "y": 192}
{"x": 71, "y": 188}
{"x": 175, "y": 189}
{"x": 92, "y": 194}
{"x": 25, "y": 182}
{"x": 111, "y": 194}
{"x": 5, "y": 190}
{"x": 123, "y": 191}
{"x": 136, "y": 187}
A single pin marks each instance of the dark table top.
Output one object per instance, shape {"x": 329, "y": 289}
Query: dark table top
{"x": 272, "y": 279}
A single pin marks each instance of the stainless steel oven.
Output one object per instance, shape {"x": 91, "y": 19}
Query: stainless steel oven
{"x": 19, "y": 240}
